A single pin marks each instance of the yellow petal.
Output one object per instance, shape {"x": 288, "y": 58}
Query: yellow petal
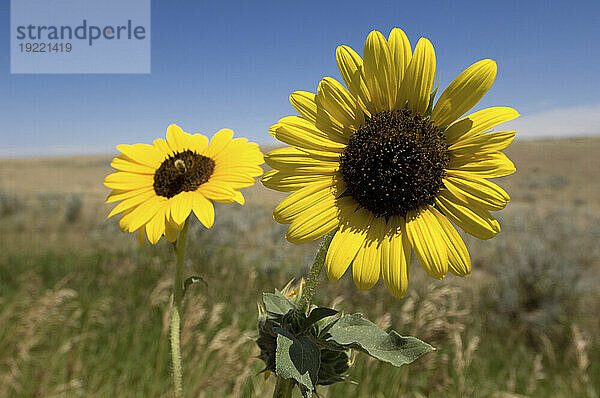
{"x": 125, "y": 220}
{"x": 379, "y": 76}
{"x": 236, "y": 198}
{"x": 327, "y": 156}
{"x": 247, "y": 169}
{"x": 401, "y": 55}
{"x": 367, "y": 264}
{"x": 290, "y": 158}
{"x": 473, "y": 219}
{"x": 181, "y": 206}
{"x": 326, "y": 136}
{"x": 234, "y": 180}
{"x": 485, "y": 165}
{"x": 425, "y": 236}
{"x": 346, "y": 242}
{"x": 125, "y": 163}
{"x": 478, "y": 122}
{"x": 273, "y": 130}
{"x": 155, "y": 228}
{"x": 218, "y": 142}
{"x": 144, "y": 212}
{"x": 339, "y": 103}
{"x": 239, "y": 153}
{"x": 131, "y": 202}
{"x": 239, "y": 198}
{"x": 128, "y": 181}
{"x": 178, "y": 139}
{"x": 304, "y": 103}
{"x": 334, "y": 129}
{"x": 351, "y": 68}
{"x": 419, "y": 77}
{"x": 323, "y": 168}
{"x": 143, "y": 153}
{"x": 497, "y": 141}
{"x": 141, "y": 235}
{"x": 323, "y": 194}
{"x": 198, "y": 143}
{"x": 163, "y": 148}
{"x": 170, "y": 220}
{"x": 472, "y": 189}
{"x": 313, "y": 223}
{"x": 171, "y": 231}
{"x": 216, "y": 190}
{"x": 301, "y": 133}
{"x": 458, "y": 255}
{"x": 395, "y": 260}
{"x": 464, "y": 92}
{"x": 121, "y": 194}
{"x": 204, "y": 210}
{"x": 290, "y": 182}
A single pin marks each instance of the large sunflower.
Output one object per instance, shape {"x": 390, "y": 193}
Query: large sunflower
{"x": 388, "y": 168}
{"x": 161, "y": 184}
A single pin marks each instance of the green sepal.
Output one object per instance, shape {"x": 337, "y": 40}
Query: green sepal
{"x": 354, "y": 331}
{"x": 298, "y": 358}
{"x": 430, "y": 106}
{"x": 277, "y": 304}
{"x": 323, "y": 332}
{"x": 317, "y": 314}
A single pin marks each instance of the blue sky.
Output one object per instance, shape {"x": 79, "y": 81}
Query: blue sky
{"x": 233, "y": 64}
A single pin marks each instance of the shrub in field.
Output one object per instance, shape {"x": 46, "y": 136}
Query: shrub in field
{"x": 73, "y": 206}
{"x": 9, "y": 203}
{"x": 546, "y": 274}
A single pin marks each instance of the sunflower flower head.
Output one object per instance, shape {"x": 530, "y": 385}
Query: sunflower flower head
{"x": 390, "y": 169}
{"x": 160, "y": 185}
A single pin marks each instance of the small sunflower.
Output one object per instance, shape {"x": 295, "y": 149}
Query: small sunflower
{"x": 159, "y": 185}
{"x": 390, "y": 169}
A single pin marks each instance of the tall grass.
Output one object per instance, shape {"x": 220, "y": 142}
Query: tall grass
{"x": 84, "y": 311}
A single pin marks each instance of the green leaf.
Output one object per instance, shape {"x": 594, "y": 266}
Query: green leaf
{"x": 325, "y": 330}
{"x": 319, "y": 313}
{"x": 354, "y": 331}
{"x": 276, "y": 303}
{"x": 299, "y": 359}
{"x": 285, "y": 333}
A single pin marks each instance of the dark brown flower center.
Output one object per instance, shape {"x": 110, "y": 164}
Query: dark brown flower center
{"x": 183, "y": 171}
{"x": 395, "y": 163}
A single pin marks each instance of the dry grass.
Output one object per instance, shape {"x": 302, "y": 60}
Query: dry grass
{"x": 85, "y": 311}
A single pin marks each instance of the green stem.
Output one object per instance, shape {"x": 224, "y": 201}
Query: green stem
{"x": 176, "y": 313}
{"x": 313, "y": 278}
{"x": 283, "y": 388}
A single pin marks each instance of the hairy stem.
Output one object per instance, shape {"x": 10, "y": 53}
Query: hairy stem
{"x": 176, "y": 313}
{"x": 313, "y": 278}
{"x": 283, "y": 388}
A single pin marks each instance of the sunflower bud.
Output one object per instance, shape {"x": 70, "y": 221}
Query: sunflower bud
{"x": 334, "y": 361}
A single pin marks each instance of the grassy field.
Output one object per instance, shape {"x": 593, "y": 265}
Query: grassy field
{"x": 84, "y": 310}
